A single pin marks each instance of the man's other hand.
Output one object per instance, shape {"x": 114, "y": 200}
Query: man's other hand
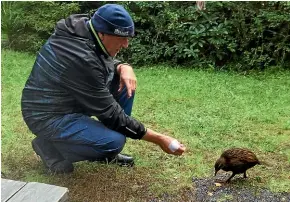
{"x": 127, "y": 78}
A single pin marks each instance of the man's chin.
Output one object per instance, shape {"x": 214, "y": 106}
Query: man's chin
{"x": 113, "y": 55}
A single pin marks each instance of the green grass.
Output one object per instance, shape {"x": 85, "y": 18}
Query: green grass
{"x": 207, "y": 111}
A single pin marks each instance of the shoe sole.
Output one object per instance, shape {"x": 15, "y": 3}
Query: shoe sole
{"x": 123, "y": 164}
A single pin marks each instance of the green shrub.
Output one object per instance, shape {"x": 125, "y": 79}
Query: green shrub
{"x": 27, "y": 29}
{"x": 228, "y": 35}
{"x": 240, "y": 35}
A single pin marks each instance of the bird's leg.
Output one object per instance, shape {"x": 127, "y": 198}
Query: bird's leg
{"x": 245, "y": 175}
{"x": 228, "y": 180}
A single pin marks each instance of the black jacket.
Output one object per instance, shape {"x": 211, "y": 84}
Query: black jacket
{"x": 72, "y": 74}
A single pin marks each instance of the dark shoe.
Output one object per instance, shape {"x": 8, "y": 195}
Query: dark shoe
{"x": 51, "y": 158}
{"x": 121, "y": 160}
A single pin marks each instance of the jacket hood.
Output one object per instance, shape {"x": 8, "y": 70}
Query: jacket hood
{"x": 73, "y": 26}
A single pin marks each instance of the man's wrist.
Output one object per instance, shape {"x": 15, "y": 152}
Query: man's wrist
{"x": 119, "y": 67}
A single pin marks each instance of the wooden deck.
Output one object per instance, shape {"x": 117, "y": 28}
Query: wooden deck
{"x": 16, "y": 191}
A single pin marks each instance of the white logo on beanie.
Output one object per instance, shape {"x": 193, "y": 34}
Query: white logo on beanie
{"x": 122, "y": 33}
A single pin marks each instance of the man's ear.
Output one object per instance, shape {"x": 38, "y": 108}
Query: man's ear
{"x": 101, "y": 35}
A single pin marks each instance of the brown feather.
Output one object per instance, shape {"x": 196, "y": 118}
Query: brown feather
{"x": 237, "y": 160}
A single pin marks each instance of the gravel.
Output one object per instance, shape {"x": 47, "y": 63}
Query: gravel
{"x": 207, "y": 190}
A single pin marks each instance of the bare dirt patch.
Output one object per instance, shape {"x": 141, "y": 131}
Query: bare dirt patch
{"x": 206, "y": 190}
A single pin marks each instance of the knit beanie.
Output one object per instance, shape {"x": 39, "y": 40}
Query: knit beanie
{"x": 113, "y": 19}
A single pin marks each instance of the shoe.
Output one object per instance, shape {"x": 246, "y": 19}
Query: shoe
{"x": 121, "y": 160}
{"x": 51, "y": 158}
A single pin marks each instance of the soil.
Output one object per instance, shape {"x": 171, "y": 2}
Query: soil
{"x": 208, "y": 190}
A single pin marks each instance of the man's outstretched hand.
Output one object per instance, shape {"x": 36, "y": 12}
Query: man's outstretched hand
{"x": 165, "y": 142}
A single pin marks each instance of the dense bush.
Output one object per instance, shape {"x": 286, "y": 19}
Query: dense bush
{"x": 29, "y": 24}
{"x": 240, "y": 35}
{"x": 235, "y": 35}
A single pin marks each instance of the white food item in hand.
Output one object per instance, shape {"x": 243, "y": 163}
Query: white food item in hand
{"x": 174, "y": 145}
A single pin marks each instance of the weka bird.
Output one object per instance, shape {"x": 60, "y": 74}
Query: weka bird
{"x": 237, "y": 160}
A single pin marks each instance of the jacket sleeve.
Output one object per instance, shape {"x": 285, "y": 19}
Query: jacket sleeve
{"x": 116, "y": 63}
{"x": 86, "y": 82}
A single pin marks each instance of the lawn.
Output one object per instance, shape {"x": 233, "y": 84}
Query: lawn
{"x": 207, "y": 111}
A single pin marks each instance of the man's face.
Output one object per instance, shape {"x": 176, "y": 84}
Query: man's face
{"x": 114, "y": 44}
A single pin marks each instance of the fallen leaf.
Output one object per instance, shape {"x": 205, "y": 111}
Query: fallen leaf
{"x": 218, "y": 184}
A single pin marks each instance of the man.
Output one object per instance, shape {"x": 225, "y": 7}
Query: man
{"x": 75, "y": 77}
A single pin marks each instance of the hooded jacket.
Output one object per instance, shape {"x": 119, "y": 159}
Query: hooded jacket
{"x": 72, "y": 74}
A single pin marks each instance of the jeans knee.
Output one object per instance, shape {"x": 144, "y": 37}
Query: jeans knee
{"x": 113, "y": 146}
{"x": 118, "y": 143}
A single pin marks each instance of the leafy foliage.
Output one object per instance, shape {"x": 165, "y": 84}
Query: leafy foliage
{"x": 227, "y": 35}
{"x": 241, "y": 35}
{"x": 27, "y": 29}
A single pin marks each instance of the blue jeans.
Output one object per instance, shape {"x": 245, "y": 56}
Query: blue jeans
{"x": 79, "y": 137}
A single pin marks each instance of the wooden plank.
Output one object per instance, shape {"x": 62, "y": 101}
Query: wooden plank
{"x": 9, "y": 188}
{"x": 41, "y": 192}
